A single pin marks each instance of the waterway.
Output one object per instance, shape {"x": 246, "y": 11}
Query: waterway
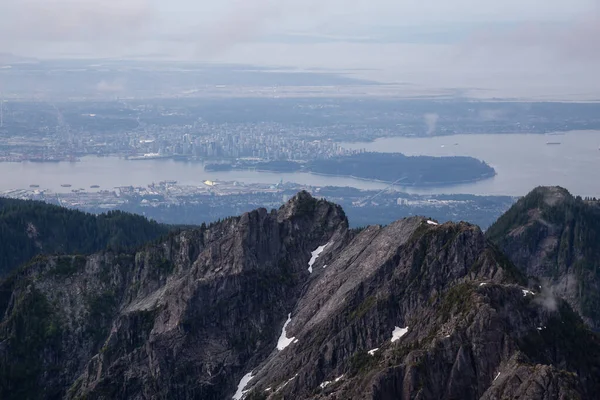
{"x": 521, "y": 161}
{"x": 110, "y": 172}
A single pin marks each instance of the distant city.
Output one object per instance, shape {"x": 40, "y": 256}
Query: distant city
{"x": 165, "y": 139}
{"x": 62, "y": 111}
{"x": 264, "y": 129}
{"x": 237, "y": 116}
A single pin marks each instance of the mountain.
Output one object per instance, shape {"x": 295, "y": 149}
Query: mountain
{"x": 29, "y": 228}
{"x": 292, "y": 304}
{"x": 555, "y": 238}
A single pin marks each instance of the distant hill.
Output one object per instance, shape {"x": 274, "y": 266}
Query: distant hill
{"x": 29, "y": 228}
{"x": 408, "y": 170}
{"x": 555, "y": 237}
{"x": 8, "y": 58}
{"x": 386, "y": 167}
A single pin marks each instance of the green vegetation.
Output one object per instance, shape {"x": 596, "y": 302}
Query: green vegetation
{"x": 362, "y": 362}
{"x": 279, "y": 166}
{"x": 256, "y": 395}
{"x": 29, "y": 228}
{"x": 516, "y": 216}
{"x": 456, "y": 300}
{"x": 358, "y": 230}
{"x": 512, "y": 273}
{"x": 363, "y": 308}
{"x": 101, "y": 309}
{"x": 306, "y": 204}
{"x": 420, "y": 233}
{"x": 160, "y": 267}
{"x": 31, "y": 333}
{"x": 67, "y": 266}
{"x": 565, "y": 341}
{"x": 575, "y": 222}
{"x": 389, "y": 167}
{"x": 418, "y": 171}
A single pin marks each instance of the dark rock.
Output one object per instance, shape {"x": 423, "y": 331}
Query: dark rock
{"x": 189, "y": 317}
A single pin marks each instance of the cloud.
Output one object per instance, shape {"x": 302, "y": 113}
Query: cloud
{"x": 431, "y": 121}
{"x": 506, "y": 49}
{"x": 210, "y": 28}
{"x": 492, "y": 114}
{"x": 242, "y": 21}
{"x": 576, "y": 40}
{"x": 114, "y": 86}
{"x": 547, "y": 298}
{"x": 74, "y": 20}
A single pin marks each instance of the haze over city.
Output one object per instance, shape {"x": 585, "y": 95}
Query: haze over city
{"x": 522, "y": 49}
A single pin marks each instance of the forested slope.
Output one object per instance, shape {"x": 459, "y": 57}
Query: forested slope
{"x": 29, "y": 228}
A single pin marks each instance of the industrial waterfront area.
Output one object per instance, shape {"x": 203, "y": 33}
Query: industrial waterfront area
{"x": 172, "y": 202}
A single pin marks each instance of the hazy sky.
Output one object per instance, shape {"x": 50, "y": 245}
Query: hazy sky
{"x": 555, "y": 39}
{"x": 27, "y": 24}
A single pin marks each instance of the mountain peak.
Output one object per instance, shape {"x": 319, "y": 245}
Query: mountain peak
{"x": 554, "y": 237}
{"x": 304, "y": 205}
{"x": 551, "y": 195}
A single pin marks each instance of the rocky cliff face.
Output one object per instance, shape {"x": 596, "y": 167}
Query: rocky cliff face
{"x": 554, "y": 238}
{"x": 291, "y": 304}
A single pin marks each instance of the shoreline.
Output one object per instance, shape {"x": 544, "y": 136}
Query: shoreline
{"x": 413, "y": 185}
{"x": 409, "y": 185}
{"x": 550, "y": 133}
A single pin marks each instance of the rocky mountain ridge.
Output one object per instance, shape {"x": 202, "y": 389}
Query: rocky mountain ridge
{"x": 291, "y": 304}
